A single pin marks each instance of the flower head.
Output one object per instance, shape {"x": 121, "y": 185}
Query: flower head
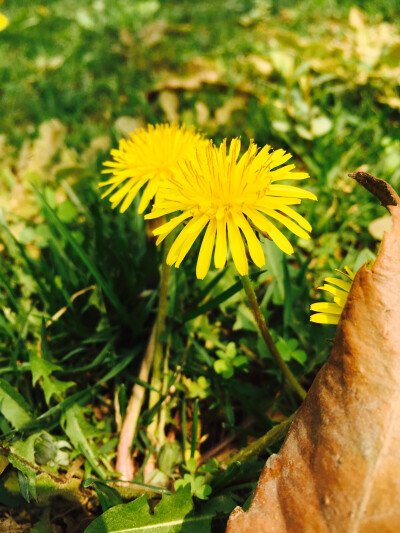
{"x": 148, "y": 158}
{"x": 231, "y": 198}
{"x": 329, "y": 312}
{"x": 3, "y": 22}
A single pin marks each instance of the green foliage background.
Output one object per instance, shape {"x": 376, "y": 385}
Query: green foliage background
{"x": 78, "y": 282}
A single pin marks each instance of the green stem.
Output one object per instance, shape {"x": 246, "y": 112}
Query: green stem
{"x": 157, "y": 378}
{"x": 124, "y": 464}
{"x": 160, "y": 433}
{"x": 266, "y": 335}
{"x": 254, "y": 449}
{"x": 257, "y": 447}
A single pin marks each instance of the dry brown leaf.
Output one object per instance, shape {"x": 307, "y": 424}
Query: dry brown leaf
{"x": 153, "y": 33}
{"x": 223, "y": 113}
{"x": 126, "y": 125}
{"x": 126, "y": 37}
{"x": 99, "y": 144}
{"x": 37, "y": 155}
{"x": 356, "y": 18}
{"x": 261, "y": 64}
{"x": 202, "y": 112}
{"x": 169, "y": 103}
{"x": 190, "y": 83}
{"x": 339, "y": 468}
{"x": 391, "y": 101}
{"x": 199, "y": 72}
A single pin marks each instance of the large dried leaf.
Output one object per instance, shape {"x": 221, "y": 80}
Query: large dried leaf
{"x": 339, "y": 468}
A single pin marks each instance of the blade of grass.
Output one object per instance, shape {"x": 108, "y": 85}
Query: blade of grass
{"x": 194, "y": 427}
{"x": 56, "y": 222}
{"x": 218, "y": 300}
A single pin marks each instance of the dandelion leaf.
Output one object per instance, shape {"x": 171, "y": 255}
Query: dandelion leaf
{"x": 13, "y": 406}
{"x": 43, "y": 369}
{"x": 168, "y": 516}
{"x": 79, "y": 432}
{"x": 174, "y": 514}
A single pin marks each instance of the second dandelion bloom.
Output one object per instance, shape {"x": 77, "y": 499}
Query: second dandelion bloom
{"x": 329, "y": 312}
{"x": 233, "y": 198}
{"x": 146, "y": 160}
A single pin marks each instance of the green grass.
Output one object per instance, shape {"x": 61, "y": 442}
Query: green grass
{"x": 294, "y": 78}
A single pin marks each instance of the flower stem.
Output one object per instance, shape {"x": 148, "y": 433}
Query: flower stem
{"x": 258, "y": 446}
{"x": 157, "y": 372}
{"x": 124, "y": 463}
{"x": 253, "y": 450}
{"x": 266, "y": 335}
{"x": 160, "y": 436}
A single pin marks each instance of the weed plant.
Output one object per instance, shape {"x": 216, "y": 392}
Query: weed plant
{"x": 79, "y": 282}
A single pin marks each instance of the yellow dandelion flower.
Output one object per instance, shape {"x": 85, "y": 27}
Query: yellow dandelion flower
{"x": 4, "y": 21}
{"x": 329, "y": 312}
{"x": 149, "y": 157}
{"x": 231, "y": 198}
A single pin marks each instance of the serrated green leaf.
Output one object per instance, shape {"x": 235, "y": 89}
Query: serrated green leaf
{"x": 12, "y": 405}
{"x": 27, "y": 479}
{"x": 108, "y": 496}
{"x": 24, "y": 486}
{"x": 42, "y": 369}
{"x": 77, "y": 429}
{"x": 173, "y": 514}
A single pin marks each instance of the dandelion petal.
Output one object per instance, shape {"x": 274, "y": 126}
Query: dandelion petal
{"x": 237, "y": 247}
{"x": 221, "y": 247}
{"x": 206, "y": 250}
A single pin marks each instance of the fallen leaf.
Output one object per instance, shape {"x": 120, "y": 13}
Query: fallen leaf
{"x": 202, "y": 112}
{"x": 169, "y": 103}
{"x": 356, "y": 18}
{"x": 339, "y": 468}
{"x": 37, "y": 155}
{"x": 199, "y": 72}
{"x": 98, "y": 144}
{"x": 126, "y": 125}
{"x": 153, "y": 33}
{"x": 283, "y": 63}
{"x": 126, "y": 37}
{"x": 49, "y": 63}
{"x": 223, "y": 114}
{"x": 391, "y": 101}
{"x": 262, "y": 65}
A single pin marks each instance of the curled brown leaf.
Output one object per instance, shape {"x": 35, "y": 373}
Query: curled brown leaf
{"x": 339, "y": 468}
